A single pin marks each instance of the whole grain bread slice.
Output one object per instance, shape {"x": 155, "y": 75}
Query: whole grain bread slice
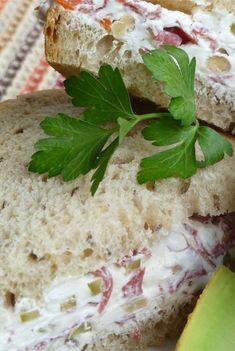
{"x": 188, "y": 6}
{"x": 72, "y": 44}
{"x": 49, "y": 216}
{"x": 179, "y": 5}
{"x": 57, "y": 229}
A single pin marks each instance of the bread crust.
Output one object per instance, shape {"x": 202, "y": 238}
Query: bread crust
{"x": 88, "y": 47}
{"x": 187, "y": 6}
{"x": 179, "y": 5}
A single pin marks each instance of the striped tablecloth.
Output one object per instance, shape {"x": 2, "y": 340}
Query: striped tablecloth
{"x": 23, "y": 67}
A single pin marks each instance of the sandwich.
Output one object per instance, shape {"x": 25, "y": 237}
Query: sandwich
{"x": 119, "y": 270}
{"x": 123, "y": 268}
{"x": 86, "y": 34}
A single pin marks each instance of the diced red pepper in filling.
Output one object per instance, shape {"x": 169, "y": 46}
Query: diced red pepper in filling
{"x": 105, "y": 274}
{"x": 171, "y": 35}
{"x": 106, "y": 23}
{"x": 206, "y": 35}
{"x": 142, "y": 10}
{"x": 185, "y": 37}
{"x": 134, "y": 286}
{"x": 164, "y": 37}
{"x": 68, "y": 4}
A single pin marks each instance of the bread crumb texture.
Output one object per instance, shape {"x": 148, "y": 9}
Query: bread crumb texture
{"x": 50, "y": 228}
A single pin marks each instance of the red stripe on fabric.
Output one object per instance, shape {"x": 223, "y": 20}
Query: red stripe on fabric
{"x": 35, "y": 78}
{"x": 2, "y": 4}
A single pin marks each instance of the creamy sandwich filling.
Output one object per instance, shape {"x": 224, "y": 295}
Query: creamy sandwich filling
{"x": 76, "y": 310}
{"x": 142, "y": 26}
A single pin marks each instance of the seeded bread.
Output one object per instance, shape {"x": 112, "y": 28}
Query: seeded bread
{"x": 74, "y": 44}
{"x": 56, "y": 228}
{"x": 51, "y": 229}
{"x": 179, "y": 5}
{"x": 188, "y": 5}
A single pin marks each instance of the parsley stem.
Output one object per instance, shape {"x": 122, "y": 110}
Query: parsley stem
{"x": 197, "y": 123}
{"x": 153, "y": 115}
{"x": 113, "y": 130}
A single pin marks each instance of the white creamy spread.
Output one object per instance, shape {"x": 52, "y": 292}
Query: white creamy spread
{"x": 178, "y": 263}
{"x": 209, "y": 36}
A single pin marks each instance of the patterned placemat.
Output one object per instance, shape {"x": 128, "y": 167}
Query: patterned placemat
{"x": 23, "y": 67}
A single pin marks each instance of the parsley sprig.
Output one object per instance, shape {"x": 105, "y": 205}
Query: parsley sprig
{"x": 77, "y": 146}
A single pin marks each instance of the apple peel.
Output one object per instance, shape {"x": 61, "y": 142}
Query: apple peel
{"x": 211, "y": 326}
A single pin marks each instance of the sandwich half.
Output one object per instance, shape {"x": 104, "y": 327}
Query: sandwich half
{"x": 118, "y": 271}
{"x": 85, "y": 34}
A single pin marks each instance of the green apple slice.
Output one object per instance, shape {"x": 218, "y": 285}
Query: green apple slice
{"x": 211, "y": 326}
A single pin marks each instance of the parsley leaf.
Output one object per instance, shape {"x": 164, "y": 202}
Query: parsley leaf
{"x": 72, "y": 149}
{"x": 77, "y": 146}
{"x": 213, "y": 146}
{"x": 172, "y": 66}
{"x": 166, "y": 131}
{"x": 103, "y": 161}
{"x": 178, "y": 161}
{"x": 106, "y": 99}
